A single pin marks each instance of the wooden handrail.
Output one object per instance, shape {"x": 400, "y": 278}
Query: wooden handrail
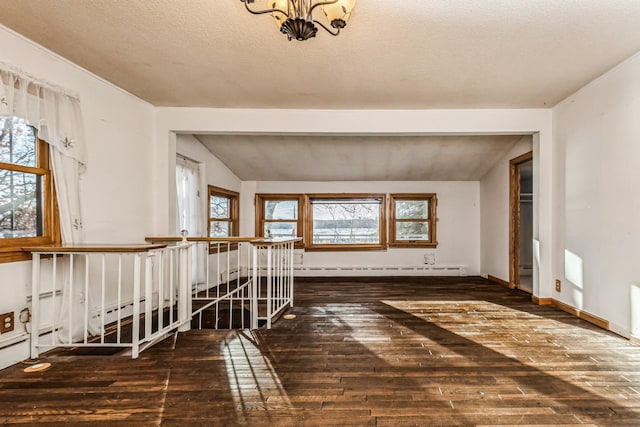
{"x": 252, "y": 240}
{"x": 202, "y": 239}
{"x": 277, "y": 241}
{"x": 93, "y": 248}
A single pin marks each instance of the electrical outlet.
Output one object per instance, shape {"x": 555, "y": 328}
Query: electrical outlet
{"x": 6, "y": 322}
{"x": 558, "y": 285}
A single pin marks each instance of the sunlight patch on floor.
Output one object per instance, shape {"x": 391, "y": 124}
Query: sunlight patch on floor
{"x": 252, "y": 379}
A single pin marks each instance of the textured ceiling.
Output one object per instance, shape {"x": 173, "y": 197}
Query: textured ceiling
{"x": 359, "y": 158}
{"x": 393, "y": 54}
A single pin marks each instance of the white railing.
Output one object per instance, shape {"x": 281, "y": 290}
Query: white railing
{"x": 246, "y": 276}
{"x": 111, "y": 296}
{"x": 133, "y": 296}
{"x": 227, "y": 286}
{"x": 272, "y": 279}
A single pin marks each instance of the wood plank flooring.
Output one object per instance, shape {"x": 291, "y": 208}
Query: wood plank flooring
{"x": 387, "y": 352}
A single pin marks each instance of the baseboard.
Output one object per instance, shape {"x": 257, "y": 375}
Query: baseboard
{"x": 588, "y": 317}
{"x": 499, "y": 281}
{"x": 541, "y": 301}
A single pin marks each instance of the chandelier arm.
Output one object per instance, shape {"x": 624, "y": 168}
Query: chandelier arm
{"x": 262, "y": 12}
{"x": 324, "y": 3}
{"x": 327, "y": 29}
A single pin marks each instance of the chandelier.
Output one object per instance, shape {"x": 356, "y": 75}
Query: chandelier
{"x": 295, "y": 17}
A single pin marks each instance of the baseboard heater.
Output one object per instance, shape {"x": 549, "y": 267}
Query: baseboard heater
{"x": 423, "y": 270}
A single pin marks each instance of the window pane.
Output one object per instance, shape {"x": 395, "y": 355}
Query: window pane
{"x": 281, "y": 209}
{"x": 280, "y": 229}
{"x": 219, "y": 229}
{"x": 346, "y": 223}
{"x": 412, "y": 209}
{"x": 219, "y": 207}
{"x": 412, "y": 231}
{"x": 17, "y": 142}
{"x": 20, "y": 204}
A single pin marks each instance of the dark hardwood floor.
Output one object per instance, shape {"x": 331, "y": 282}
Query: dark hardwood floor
{"x": 388, "y": 352}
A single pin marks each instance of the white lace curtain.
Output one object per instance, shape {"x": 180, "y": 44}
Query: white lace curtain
{"x": 188, "y": 197}
{"x": 55, "y": 113}
{"x": 190, "y": 215}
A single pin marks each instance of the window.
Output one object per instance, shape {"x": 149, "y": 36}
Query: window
{"x": 413, "y": 220}
{"x": 223, "y": 214}
{"x": 279, "y": 215}
{"x": 28, "y": 213}
{"x": 346, "y": 222}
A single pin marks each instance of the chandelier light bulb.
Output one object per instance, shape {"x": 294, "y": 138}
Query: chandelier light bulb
{"x": 295, "y": 18}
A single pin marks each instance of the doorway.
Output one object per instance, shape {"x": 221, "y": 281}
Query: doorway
{"x": 521, "y": 223}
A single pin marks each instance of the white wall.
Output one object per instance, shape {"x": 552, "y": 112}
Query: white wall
{"x": 494, "y": 214}
{"x": 215, "y": 172}
{"x": 119, "y": 130}
{"x": 458, "y": 229}
{"x": 597, "y": 200}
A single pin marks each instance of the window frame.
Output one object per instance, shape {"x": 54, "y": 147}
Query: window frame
{"x": 261, "y": 198}
{"x": 432, "y": 220}
{"x": 12, "y": 249}
{"x": 310, "y": 246}
{"x": 233, "y": 219}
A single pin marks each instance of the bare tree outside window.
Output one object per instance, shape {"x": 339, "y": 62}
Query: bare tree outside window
{"x": 21, "y": 198}
{"x": 219, "y": 213}
{"x": 279, "y": 216}
{"x": 28, "y": 211}
{"x": 224, "y": 216}
{"x": 413, "y": 220}
{"x": 346, "y": 222}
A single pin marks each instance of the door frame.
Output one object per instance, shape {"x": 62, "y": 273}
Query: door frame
{"x": 514, "y": 218}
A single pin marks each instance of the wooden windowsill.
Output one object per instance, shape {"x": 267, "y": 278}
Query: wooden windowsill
{"x": 92, "y": 248}
{"x": 345, "y": 248}
{"x": 413, "y": 244}
{"x": 14, "y": 256}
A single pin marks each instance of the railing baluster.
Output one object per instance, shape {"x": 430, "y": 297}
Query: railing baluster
{"x": 291, "y": 271}
{"x": 254, "y": 288}
{"x": 228, "y": 267}
{"x": 280, "y": 277}
{"x": 269, "y": 284}
{"x": 54, "y": 280}
{"x": 70, "y": 307}
{"x": 238, "y": 266}
{"x": 119, "y": 306}
{"x": 184, "y": 292}
{"x": 148, "y": 296}
{"x": 242, "y": 295}
{"x": 172, "y": 289}
{"x": 35, "y": 305}
{"x": 160, "y": 279}
{"x": 218, "y": 278}
{"x": 86, "y": 298}
{"x": 135, "y": 332}
{"x": 207, "y": 286}
{"x": 102, "y": 298}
